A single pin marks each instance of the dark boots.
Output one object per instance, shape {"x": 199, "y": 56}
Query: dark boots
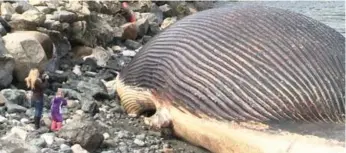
{"x": 37, "y": 121}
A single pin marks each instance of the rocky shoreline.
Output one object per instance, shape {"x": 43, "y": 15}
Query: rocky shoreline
{"x": 84, "y": 44}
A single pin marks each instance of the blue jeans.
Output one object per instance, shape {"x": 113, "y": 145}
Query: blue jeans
{"x": 38, "y": 107}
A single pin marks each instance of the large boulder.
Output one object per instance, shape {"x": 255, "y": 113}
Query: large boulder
{"x": 7, "y": 10}
{"x": 79, "y": 7}
{"x": 93, "y": 32}
{"x": 22, "y": 6}
{"x": 29, "y": 49}
{"x": 16, "y": 96}
{"x": 33, "y": 16}
{"x": 22, "y": 25}
{"x": 14, "y": 141}
{"x": 87, "y": 133}
{"x": 7, "y": 65}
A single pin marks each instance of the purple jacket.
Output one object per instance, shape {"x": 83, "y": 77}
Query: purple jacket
{"x": 57, "y": 103}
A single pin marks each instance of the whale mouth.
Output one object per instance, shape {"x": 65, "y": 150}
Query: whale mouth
{"x": 135, "y": 101}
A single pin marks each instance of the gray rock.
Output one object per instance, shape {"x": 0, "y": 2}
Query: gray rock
{"x": 110, "y": 7}
{"x": 59, "y": 141}
{"x": 109, "y": 151}
{"x": 5, "y": 25}
{"x": 123, "y": 149}
{"x": 129, "y": 53}
{"x": 16, "y": 96}
{"x": 78, "y": 149}
{"x": 142, "y": 26}
{"x": 101, "y": 56}
{"x": 89, "y": 106}
{"x": 94, "y": 88}
{"x": 7, "y": 11}
{"x": 154, "y": 29}
{"x": 15, "y": 144}
{"x": 2, "y": 109}
{"x": 132, "y": 44}
{"x": 44, "y": 9}
{"x": 113, "y": 20}
{"x": 22, "y": 25}
{"x": 123, "y": 134}
{"x": 2, "y": 119}
{"x": 3, "y": 31}
{"x": 39, "y": 142}
{"x": 95, "y": 32}
{"x": 158, "y": 13}
{"x": 29, "y": 49}
{"x": 52, "y": 24}
{"x": 139, "y": 142}
{"x": 48, "y": 150}
{"x": 168, "y": 21}
{"x": 65, "y": 149}
{"x": 24, "y": 121}
{"x": 61, "y": 42}
{"x": 7, "y": 64}
{"x": 87, "y": 133}
{"x": 141, "y": 137}
{"x": 167, "y": 10}
{"x": 34, "y": 16}
{"x": 64, "y": 16}
{"x": 14, "y": 108}
{"x": 48, "y": 138}
{"x": 72, "y": 94}
{"x": 22, "y": 6}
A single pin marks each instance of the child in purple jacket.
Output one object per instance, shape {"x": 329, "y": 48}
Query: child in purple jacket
{"x": 57, "y": 102}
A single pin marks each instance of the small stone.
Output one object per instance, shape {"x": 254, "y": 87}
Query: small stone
{"x": 65, "y": 149}
{"x": 24, "y": 121}
{"x": 106, "y": 135}
{"x": 130, "y": 31}
{"x": 65, "y": 16}
{"x": 76, "y": 70}
{"x": 2, "y": 119}
{"x": 129, "y": 53}
{"x": 131, "y": 44}
{"x": 141, "y": 136}
{"x": 78, "y": 149}
{"x": 6, "y": 11}
{"x": 47, "y": 150}
{"x": 72, "y": 103}
{"x": 79, "y": 112}
{"x": 109, "y": 151}
{"x": 142, "y": 26}
{"x": 167, "y": 10}
{"x": 123, "y": 134}
{"x": 168, "y": 21}
{"x": 116, "y": 48}
{"x": 39, "y": 142}
{"x": 49, "y": 138}
{"x": 44, "y": 9}
{"x": 139, "y": 142}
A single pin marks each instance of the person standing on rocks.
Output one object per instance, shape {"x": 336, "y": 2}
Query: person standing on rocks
{"x": 37, "y": 86}
{"x": 57, "y": 102}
